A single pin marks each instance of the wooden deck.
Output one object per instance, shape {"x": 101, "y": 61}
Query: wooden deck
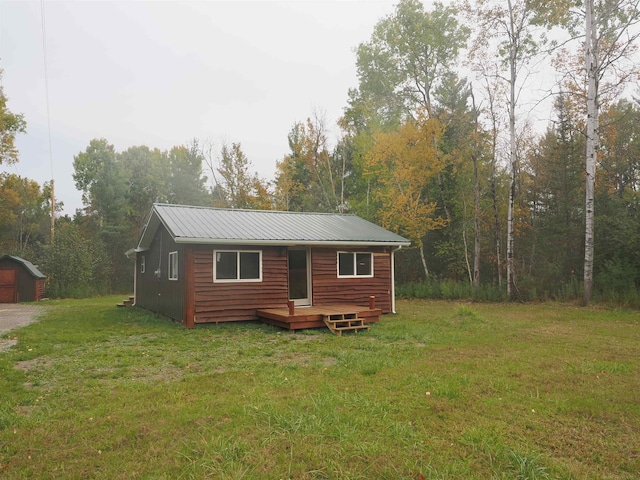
{"x": 312, "y": 317}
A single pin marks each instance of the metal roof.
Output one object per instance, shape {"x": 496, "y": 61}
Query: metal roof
{"x": 33, "y": 270}
{"x": 202, "y": 225}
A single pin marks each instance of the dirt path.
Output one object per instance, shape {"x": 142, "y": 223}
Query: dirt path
{"x": 14, "y": 315}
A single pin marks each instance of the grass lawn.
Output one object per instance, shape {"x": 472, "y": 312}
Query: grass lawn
{"x": 440, "y": 391}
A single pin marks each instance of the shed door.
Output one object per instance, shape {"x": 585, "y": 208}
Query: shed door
{"x": 8, "y": 287}
{"x": 299, "y": 276}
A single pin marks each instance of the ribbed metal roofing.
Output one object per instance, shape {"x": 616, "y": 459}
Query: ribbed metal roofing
{"x": 33, "y": 270}
{"x": 189, "y": 224}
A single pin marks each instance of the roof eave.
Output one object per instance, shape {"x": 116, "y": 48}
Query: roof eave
{"x": 153, "y": 222}
{"x": 290, "y": 243}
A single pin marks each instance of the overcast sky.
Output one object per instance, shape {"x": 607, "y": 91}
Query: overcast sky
{"x": 161, "y": 73}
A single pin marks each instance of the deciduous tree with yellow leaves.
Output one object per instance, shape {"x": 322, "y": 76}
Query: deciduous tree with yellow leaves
{"x": 401, "y": 165}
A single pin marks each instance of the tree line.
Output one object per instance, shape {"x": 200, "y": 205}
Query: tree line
{"x": 437, "y": 142}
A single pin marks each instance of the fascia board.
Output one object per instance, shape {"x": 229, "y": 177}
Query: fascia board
{"x": 150, "y": 229}
{"x": 287, "y": 243}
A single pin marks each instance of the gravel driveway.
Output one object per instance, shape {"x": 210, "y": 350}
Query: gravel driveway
{"x": 14, "y": 315}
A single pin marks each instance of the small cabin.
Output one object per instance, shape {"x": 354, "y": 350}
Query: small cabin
{"x": 20, "y": 280}
{"x": 202, "y": 265}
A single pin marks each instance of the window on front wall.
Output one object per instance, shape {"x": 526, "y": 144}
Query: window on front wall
{"x": 143, "y": 264}
{"x": 355, "y": 264}
{"x": 237, "y": 266}
{"x": 173, "y": 265}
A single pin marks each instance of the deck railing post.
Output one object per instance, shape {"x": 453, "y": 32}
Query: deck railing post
{"x": 292, "y": 307}
{"x": 372, "y": 302}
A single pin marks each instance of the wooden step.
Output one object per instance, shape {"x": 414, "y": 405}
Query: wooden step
{"x": 341, "y": 317}
{"x": 341, "y": 322}
{"x": 126, "y": 303}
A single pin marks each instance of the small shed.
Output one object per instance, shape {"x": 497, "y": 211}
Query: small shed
{"x": 202, "y": 265}
{"x": 20, "y": 280}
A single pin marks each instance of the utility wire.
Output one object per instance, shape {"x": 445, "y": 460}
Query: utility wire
{"x": 46, "y": 83}
{"x": 46, "y": 89}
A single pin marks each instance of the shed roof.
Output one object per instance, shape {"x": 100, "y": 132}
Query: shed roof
{"x": 202, "y": 225}
{"x": 33, "y": 270}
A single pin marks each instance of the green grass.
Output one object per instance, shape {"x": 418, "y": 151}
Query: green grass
{"x": 440, "y": 391}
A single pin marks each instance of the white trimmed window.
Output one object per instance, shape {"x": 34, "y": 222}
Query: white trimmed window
{"x": 355, "y": 264}
{"x": 143, "y": 264}
{"x": 173, "y": 265}
{"x": 237, "y": 266}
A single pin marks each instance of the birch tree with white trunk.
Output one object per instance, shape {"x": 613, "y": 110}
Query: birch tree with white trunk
{"x": 610, "y": 44}
{"x": 514, "y": 30}
{"x": 591, "y": 63}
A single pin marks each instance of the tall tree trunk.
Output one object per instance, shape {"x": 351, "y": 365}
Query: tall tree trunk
{"x": 513, "y": 160}
{"x": 510, "y": 235}
{"x": 476, "y": 203}
{"x": 466, "y": 252}
{"x": 492, "y": 185}
{"x": 591, "y": 55}
{"x": 341, "y": 209}
{"x": 470, "y": 272}
{"x": 476, "y": 224}
{"x": 424, "y": 261}
{"x": 445, "y": 205}
{"x": 496, "y": 220}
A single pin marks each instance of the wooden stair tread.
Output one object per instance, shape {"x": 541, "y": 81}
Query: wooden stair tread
{"x": 353, "y": 327}
{"x": 128, "y": 302}
{"x": 342, "y": 316}
{"x": 347, "y": 320}
{"x": 339, "y": 323}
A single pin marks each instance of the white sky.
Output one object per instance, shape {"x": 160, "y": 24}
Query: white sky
{"x": 161, "y": 73}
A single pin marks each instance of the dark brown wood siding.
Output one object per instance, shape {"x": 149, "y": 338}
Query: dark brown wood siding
{"x": 158, "y": 293}
{"x": 329, "y": 289}
{"x": 225, "y": 302}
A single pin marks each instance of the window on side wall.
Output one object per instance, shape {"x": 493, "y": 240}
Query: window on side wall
{"x": 143, "y": 264}
{"x": 237, "y": 266}
{"x": 355, "y": 264}
{"x": 173, "y": 265}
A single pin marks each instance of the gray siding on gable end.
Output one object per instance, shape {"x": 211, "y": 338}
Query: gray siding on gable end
{"x": 159, "y": 294}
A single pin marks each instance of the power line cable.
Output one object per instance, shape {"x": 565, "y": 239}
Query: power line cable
{"x": 46, "y": 83}
{"x": 46, "y": 89}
